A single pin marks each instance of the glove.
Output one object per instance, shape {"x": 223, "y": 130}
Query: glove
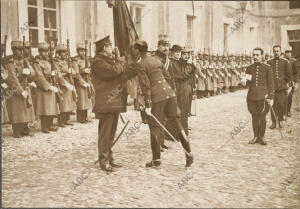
{"x": 86, "y": 85}
{"x": 189, "y": 61}
{"x": 26, "y": 71}
{"x": 69, "y": 86}
{"x": 25, "y": 94}
{"x": 87, "y": 70}
{"x": 244, "y": 82}
{"x": 270, "y": 102}
{"x": 53, "y": 73}
{"x": 148, "y": 110}
{"x": 32, "y": 84}
{"x": 54, "y": 89}
{"x": 4, "y": 85}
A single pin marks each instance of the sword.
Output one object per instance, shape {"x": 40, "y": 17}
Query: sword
{"x": 277, "y": 121}
{"x": 163, "y": 127}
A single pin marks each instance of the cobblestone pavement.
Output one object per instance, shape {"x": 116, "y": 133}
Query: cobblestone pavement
{"x": 56, "y": 169}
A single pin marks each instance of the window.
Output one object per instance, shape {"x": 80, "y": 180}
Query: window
{"x": 190, "y": 37}
{"x": 226, "y": 27}
{"x": 42, "y": 19}
{"x": 294, "y": 4}
{"x": 137, "y": 17}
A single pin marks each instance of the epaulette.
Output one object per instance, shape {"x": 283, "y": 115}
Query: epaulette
{"x": 283, "y": 58}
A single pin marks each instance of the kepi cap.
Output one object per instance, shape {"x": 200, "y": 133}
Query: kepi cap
{"x": 102, "y": 42}
{"x": 43, "y": 46}
{"x": 16, "y": 45}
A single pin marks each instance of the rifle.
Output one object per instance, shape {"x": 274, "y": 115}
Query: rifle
{"x": 28, "y": 99}
{"x": 74, "y": 93}
{"x": 54, "y": 81}
{"x": 91, "y": 90}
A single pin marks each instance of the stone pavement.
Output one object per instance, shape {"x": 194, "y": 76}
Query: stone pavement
{"x": 56, "y": 169}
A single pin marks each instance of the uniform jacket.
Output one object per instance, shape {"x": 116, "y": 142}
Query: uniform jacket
{"x": 17, "y": 109}
{"x": 152, "y": 78}
{"x": 282, "y": 73}
{"x": 295, "y": 71}
{"x": 261, "y": 83}
{"x": 109, "y": 80}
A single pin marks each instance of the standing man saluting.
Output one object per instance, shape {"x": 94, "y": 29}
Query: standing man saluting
{"x": 282, "y": 75}
{"x": 260, "y": 94}
{"x": 109, "y": 77}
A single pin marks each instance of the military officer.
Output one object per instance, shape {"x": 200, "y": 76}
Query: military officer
{"x": 160, "y": 100}
{"x": 214, "y": 78}
{"x": 294, "y": 81}
{"x": 220, "y": 74}
{"x": 260, "y": 95}
{"x": 46, "y": 104}
{"x": 66, "y": 105}
{"x": 19, "y": 105}
{"x": 83, "y": 83}
{"x": 282, "y": 75}
{"x": 267, "y": 57}
{"x": 109, "y": 79}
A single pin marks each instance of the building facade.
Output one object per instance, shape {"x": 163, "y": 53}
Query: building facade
{"x": 217, "y": 26}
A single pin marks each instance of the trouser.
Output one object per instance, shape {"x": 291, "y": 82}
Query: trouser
{"x": 46, "y": 121}
{"x": 279, "y": 105}
{"x": 63, "y": 117}
{"x": 290, "y": 100}
{"x": 258, "y": 110}
{"x": 107, "y": 128}
{"x": 81, "y": 115}
{"x": 162, "y": 110}
{"x": 18, "y": 128}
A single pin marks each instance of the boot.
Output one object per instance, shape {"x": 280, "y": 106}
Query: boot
{"x": 262, "y": 141}
{"x": 280, "y": 125}
{"x": 114, "y": 165}
{"x": 273, "y": 125}
{"x": 253, "y": 141}
{"x": 105, "y": 166}
{"x": 189, "y": 159}
{"x": 153, "y": 163}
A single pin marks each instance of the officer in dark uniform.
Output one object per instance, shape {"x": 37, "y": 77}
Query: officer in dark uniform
{"x": 260, "y": 95}
{"x": 109, "y": 79}
{"x": 293, "y": 63}
{"x": 282, "y": 74}
{"x": 161, "y": 98}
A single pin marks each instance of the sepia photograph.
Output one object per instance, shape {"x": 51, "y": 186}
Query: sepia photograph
{"x": 150, "y": 104}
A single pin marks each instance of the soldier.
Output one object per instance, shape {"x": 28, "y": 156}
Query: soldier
{"x": 226, "y": 73}
{"x": 66, "y": 105}
{"x": 239, "y": 69}
{"x": 201, "y": 77}
{"x": 294, "y": 80}
{"x": 220, "y": 74}
{"x": 282, "y": 75}
{"x": 4, "y": 87}
{"x": 209, "y": 84}
{"x": 161, "y": 101}
{"x": 260, "y": 95}
{"x": 19, "y": 104}
{"x": 46, "y": 105}
{"x": 234, "y": 73}
{"x": 214, "y": 78}
{"x": 83, "y": 84}
{"x": 267, "y": 57}
{"x": 109, "y": 80}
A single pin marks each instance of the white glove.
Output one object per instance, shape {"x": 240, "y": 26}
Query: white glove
{"x": 189, "y": 61}
{"x": 270, "y": 102}
{"x": 26, "y": 71}
{"x": 196, "y": 76}
{"x": 4, "y": 85}
{"x": 148, "y": 111}
{"x": 32, "y": 84}
{"x": 54, "y": 89}
{"x": 289, "y": 90}
{"x": 86, "y": 85}
{"x": 87, "y": 70}
{"x": 69, "y": 86}
{"x": 53, "y": 73}
{"x": 25, "y": 94}
{"x": 243, "y": 81}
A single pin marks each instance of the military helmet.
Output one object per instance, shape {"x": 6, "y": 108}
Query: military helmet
{"x": 61, "y": 47}
{"x": 43, "y": 46}
{"x": 16, "y": 45}
{"x": 80, "y": 45}
{"x": 176, "y": 48}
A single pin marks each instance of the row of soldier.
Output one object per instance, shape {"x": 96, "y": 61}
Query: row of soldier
{"x": 45, "y": 86}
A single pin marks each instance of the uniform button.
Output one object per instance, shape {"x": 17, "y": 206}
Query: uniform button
{"x": 164, "y": 88}
{"x": 159, "y": 81}
{"x": 167, "y": 97}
